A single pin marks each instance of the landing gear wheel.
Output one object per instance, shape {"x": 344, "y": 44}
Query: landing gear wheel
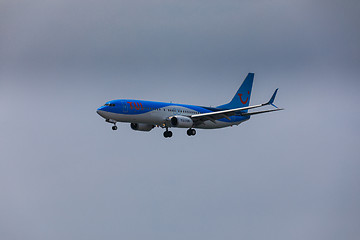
{"x": 191, "y": 132}
{"x": 114, "y": 128}
{"x": 168, "y": 134}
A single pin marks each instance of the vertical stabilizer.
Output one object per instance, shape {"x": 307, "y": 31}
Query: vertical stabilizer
{"x": 242, "y": 96}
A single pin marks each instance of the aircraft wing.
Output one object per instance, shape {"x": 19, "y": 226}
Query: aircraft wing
{"x": 212, "y": 116}
{"x": 254, "y": 113}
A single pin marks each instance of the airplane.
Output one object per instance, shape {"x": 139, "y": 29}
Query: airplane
{"x": 145, "y": 115}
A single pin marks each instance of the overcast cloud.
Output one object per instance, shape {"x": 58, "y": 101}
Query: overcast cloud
{"x": 64, "y": 174}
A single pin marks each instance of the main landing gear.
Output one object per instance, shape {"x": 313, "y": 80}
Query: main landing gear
{"x": 168, "y": 134}
{"x": 114, "y": 127}
{"x": 191, "y": 132}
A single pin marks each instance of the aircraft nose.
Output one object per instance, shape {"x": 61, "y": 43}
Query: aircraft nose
{"x": 100, "y": 111}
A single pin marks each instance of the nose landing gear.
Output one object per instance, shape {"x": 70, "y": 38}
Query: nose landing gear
{"x": 113, "y": 122}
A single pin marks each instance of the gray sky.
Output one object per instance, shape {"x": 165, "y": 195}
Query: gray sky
{"x": 64, "y": 174}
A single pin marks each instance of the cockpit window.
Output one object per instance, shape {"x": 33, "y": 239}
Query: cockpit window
{"x": 109, "y": 104}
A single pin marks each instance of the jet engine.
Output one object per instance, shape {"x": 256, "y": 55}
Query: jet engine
{"x": 181, "y": 122}
{"x": 141, "y": 127}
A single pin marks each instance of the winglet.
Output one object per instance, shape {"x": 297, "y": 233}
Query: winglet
{"x": 272, "y": 99}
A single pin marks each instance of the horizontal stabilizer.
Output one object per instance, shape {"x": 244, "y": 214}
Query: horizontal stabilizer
{"x": 227, "y": 113}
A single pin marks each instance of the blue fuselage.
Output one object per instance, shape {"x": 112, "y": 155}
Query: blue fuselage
{"x": 158, "y": 113}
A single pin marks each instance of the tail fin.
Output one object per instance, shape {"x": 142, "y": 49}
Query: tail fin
{"x": 242, "y": 96}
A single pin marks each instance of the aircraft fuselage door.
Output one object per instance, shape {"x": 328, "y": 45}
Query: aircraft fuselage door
{"x": 125, "y": 106}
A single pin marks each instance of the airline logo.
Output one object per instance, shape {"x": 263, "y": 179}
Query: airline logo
{"x": 240, "y": 95}
{"x": 136, "y": 105}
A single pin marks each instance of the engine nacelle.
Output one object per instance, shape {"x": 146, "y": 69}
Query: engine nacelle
{"x": 141, "y": 127}
{"x": 181, "y": 122}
